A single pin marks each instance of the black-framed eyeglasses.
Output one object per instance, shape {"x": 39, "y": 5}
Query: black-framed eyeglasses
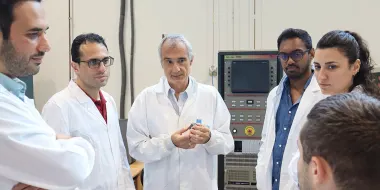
{"x": 296, "y": 55}
{"x": 95, "y": 63}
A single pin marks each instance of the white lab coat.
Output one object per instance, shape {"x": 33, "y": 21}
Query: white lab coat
{"x": 72, "y": 112}
{"x": 151, "y": 122}
{"x": 311, "y": 96}
{"x": 31, "y": 154}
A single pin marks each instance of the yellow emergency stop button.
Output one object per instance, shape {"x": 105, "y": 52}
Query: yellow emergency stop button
{"x": 249, "y": 130}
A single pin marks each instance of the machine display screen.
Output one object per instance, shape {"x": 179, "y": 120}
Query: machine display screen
{"x": 250, "y": 76}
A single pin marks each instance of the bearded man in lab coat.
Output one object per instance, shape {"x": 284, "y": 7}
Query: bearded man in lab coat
{"x": 32, "y": 154}
{"x": 83, "y": 110}
{"x": 287, "y": 107}
{"x": 158, "y": 133}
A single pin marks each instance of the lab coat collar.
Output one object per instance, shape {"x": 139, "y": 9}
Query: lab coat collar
{"x": 313, "y": 85}
{"x": 163, "y": 86}
{"x": 167, "y": 87}
{"x": 80, "y": 95}
{"x": 82, "y": 98}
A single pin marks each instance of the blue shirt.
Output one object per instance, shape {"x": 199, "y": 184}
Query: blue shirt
{"x": 183, "y": 96}
{"x": 15, "y": 86}
{"x": 284, "y": 119}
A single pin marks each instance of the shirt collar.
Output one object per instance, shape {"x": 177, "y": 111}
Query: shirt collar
{"x": 102, "y": 99}
{"x": 287, "y": 82}
{"x": 15, "y": 86}
{"x": 168, "y": 88}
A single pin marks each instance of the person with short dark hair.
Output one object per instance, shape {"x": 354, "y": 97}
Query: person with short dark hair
{"x": 339, "y": 144}
{"x": 83, "y": 109}
{"x": 287, "y": 106}
{"x": 32, "y": 154}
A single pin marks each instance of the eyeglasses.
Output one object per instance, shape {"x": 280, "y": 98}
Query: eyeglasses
{"x": 296, "y": 55}
{"x": 95, "y": 63}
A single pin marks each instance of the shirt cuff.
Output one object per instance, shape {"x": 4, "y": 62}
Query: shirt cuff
{"x": 169, "y": 144}
{"x": 212, "y": 141}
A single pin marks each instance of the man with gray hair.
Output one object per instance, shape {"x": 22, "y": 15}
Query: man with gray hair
{"x": 179, "y": 126}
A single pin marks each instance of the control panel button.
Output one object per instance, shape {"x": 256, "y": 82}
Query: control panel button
{"x": 241, "y": 119}
{"x": 234, "y": 131}
{"x": 249, "y": 101}
{"x": 249, "y": 116}
{"x": 249, "y": 120}
{"x": 249, "y": 130}
{"x": 250, "y": 105}
{"x": 241, "y": 115}
{"x": 233, "y": 115}
{"x": 233, "y": 119}
{"x": 241, "y": 105}
{"x": 242, "y": 101}
{"x": 233, "y": 105}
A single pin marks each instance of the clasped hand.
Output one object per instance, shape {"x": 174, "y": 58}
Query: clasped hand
{"x": 188, "y": 138}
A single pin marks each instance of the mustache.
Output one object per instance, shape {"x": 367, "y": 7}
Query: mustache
{"x": 39, "y": 54}
{"x": 101, "y": 75}
{"x": 292, "y": 65}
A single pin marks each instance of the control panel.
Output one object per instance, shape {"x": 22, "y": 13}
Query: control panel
{"x": 245, "y": 80}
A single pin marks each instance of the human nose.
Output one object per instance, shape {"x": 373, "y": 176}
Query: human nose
{"x": 44, "y": 45}
{"x": 321, "y": 74}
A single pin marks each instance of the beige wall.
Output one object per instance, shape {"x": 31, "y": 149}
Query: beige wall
{"x": 210, "y": 25}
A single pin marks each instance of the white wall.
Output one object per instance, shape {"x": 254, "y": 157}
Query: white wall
{"x": 209, "y": 25}
{"x": 319, "y": 17}
{"x": 54, "y": 72}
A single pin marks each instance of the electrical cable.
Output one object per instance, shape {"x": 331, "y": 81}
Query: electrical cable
{"x": 123, "y": 61}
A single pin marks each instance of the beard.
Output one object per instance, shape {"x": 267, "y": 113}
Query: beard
{"x": 304, "y": 180}
{"x": 17, "y": 65}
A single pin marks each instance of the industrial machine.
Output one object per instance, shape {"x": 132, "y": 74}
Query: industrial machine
{"x": 244, "y": 81}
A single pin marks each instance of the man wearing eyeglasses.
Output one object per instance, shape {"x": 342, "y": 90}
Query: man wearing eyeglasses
{"x": 287, "y": 108}
{"x": 83, "y": 109}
